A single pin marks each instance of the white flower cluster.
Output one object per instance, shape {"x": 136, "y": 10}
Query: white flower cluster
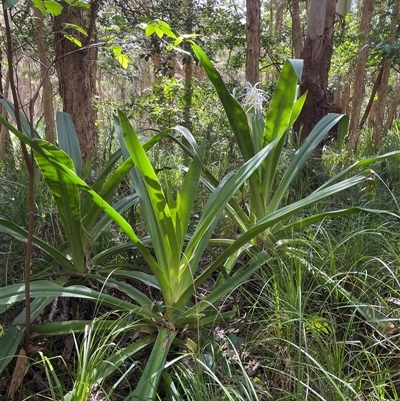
{"x": 251, "y": 97}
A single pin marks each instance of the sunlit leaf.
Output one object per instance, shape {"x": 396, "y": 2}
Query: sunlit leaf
{"x": 53, "y": 7}
{"x": 72, "y": 39}
{"x": 67, "y": 25}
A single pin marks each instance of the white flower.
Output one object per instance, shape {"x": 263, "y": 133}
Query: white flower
{"x": 251, "y": 97}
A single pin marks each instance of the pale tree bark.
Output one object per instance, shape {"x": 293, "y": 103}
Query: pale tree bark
{"x": 297, "y": 32}
{"x": 317, "y": 54}
{"x": 358, "y": 87}
{"x": 47, "y": 92}
{"x": 76, "y": 73}
{"x": 280, "y": 6}
{"x": 393, "y": 108}
{"x": 383, "y": 87}
{"x": 253, "y": 22}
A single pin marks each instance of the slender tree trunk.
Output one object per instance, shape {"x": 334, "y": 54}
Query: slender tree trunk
{"x": 297, "y": 33}
{"x": 253, "y": 21}
{"x": 188, "y": 67}
{"x": 383, "y": 88}
{"x": 317, "y": 54}
{"x": 358, "y": 91}
{"x": 377, "y": 83}
{"x": 5, "y": 139}
{"x": 47, "y": 92}
{"x": 393, "y": 107}
{"x": 75, "y": 67}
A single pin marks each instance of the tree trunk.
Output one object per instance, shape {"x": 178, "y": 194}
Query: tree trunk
{"x": 253, "y": 21}
{"x": 5, "y": 139}
{"x": 75, "y": 68}
{"x": 377, "y": 83}
{"x": 383, "y": 87}
{"x": 317, "y": 54}
{"x": 393, "y": 107}
{"x": 188, "y": 67}
{"x": 47, "y": 93}
{"x": 358, "y": 91}
{"x": 297, "y": 34}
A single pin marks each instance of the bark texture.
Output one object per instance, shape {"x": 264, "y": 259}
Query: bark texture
{"x": 358, "y": 91}
{"x": 76, "y": 70}
{"x": 297, "y": 34}
{"x": 47, "y": 93}
{"x": 317, "y": 54}
{"x": 383, "y": 87}
{"x": 253, "y": 21}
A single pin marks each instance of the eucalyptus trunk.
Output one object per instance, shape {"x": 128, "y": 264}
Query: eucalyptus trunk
{"x": 384, "y": 85}
{"x": 76, "y": 70}
{"x": 359, "y": 87}
{"x": 47, "y": 93}
{"x": 253, "y": 22}
{"x": 297, "y": 34}
{"x": 317, "y": 54}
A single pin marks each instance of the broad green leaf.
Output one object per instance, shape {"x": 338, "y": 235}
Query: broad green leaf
{"x": 147, "y": 387}
{"x": 81, "y": 4}
{"x": 302, "y": 155}
{"x": 189, "y": 191}
{"x": 123, "y": 59}
{"x": 66, "y": 195}
{"x": 166, "y": 244}
{"x": 358, "y": 165}
{"x": 275, "y": 218}
{"x": 236, "y": 115}
{"x": 121, "y": 206}
{"x": 68, "y": 139}
{"x": 40, "y": 6}
{"x": 281, "y": 104}
{"x": 9, "y": 228}
{"x": 9, "y": 3}
{"x": 72, "y": 39}
{"x": 127, "y": 289}
{"x": 158, "y": 32}
{"x": 14, "y": 293}
{"x": 26, "y": 128}
{"x": 68, "y": 25}
{"x": 150, "y": 29}
{"x": 12, "y": 337}
{"x": 229, "y": 285}
{"x": 53, "y": 7}
{"x": 69, "y": 175}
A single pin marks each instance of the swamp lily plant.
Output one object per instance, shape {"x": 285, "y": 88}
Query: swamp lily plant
{"x": 171, "y": 253}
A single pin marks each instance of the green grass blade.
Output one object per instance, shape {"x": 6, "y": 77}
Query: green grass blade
{"x": 362, "y": 163}
{"x": 277, "y": 217}
{"x": 229, "y": 285}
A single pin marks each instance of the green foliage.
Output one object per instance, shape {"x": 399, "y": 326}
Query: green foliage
{"x": 172, "y": 250}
